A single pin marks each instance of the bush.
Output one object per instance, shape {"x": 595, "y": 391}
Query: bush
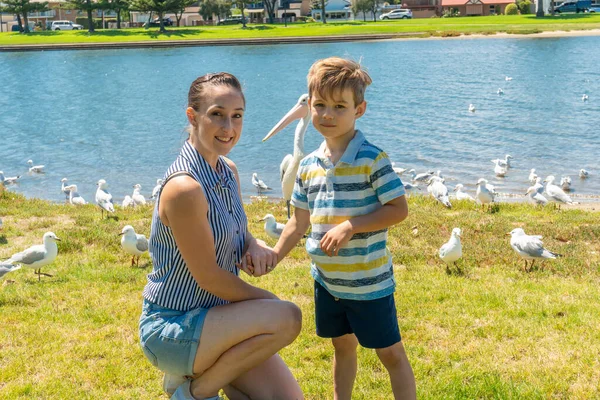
{"x": 511, "y": 9}
{"x": 524, "y": 7}
{"x": 451, "y": 12}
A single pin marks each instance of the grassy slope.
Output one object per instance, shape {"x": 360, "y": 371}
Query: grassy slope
{"x": 494, "y": 332}
{"x": 434, "y": 26}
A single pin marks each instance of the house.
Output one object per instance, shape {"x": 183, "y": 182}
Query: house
{"x": 334, "y": 9}
{"x": 476, "y": 7}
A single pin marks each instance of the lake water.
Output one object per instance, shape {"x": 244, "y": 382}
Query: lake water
{"x": 120, "y": 114}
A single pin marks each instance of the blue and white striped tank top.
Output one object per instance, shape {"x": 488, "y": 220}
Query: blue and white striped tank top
{"x": 170, "y": 284}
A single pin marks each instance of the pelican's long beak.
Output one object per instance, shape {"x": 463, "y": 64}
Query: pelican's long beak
{"x": 297, "y": 112}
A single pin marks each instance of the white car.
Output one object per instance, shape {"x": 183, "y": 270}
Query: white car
{"x": 400, "y": 13}
{"x": 65, "y": 26}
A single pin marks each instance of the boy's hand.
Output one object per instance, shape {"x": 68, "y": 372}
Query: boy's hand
{"x": 260, "y": 259}
{"x": 336, "y": 238}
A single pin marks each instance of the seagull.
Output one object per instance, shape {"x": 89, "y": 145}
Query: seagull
{"x": 423, "y": 177}
{"x": 565, "y": 183}
{"x": 156, "y": 189}
{"x": 583, "y": 174}
{"x": 138, "y": 199}
{"x": 555, "y": 193}
{"x": 500, "y": 91}
{"x": 259, "y": 184}
{"x": 584, "y": 97}
{"x": 133, "y": 243}
{"x": 8, "y": 179}
{"x": 37, "y": 256}
{"x": 6, "y": 268}
{"x": 272, "y": 227}
{"x": 452, "y": 250}
{"x": 536, "y": 198}
{"x": 529, "y": 247}
{"x": 505, "y": 162}
{"x": 460, "y": 195}
{"x": 532, "y": 176}
{"x": 74, "y": 196}
{"x": 508, "y": 78}
{"x": 64, "y": 189}
{"x": 538, "y": 185}
{"x": 103, "y": 198}
{"x": 410, "y": 187}
{"x": 290, "y": 163}
{"x": 438, "y": 190}
{"x": 399, "y": 171}
{"x": 485, "y": 193}
{"x": 35, "y": 168}
{"x": 500, "y": 170}
{"x": 471, "y": 108}
{"x": 127, "y": 202}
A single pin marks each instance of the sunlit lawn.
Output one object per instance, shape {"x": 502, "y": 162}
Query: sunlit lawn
{"x": 415, "y": 27}
{"x": 493, "y": 332}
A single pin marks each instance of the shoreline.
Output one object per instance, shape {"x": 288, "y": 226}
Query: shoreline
{"x": 292, "y": 40}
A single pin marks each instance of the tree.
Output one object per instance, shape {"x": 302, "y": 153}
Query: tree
{"x": 207, "y": 9}
{"x": 23, "y": 8}
{"x": 223, "y": 8}
{"x": 182, "y": 5}
{"x": 118, "y": 6}
{"x": 89, "y": 7}
{"x": 361, "y": 6}
{"x": 270, "y": 6}
{"x": 539, "y": 8}
{"x": 242, "y": 5}
{"x": 160, "y": 7}
{"x": 373, "y": 7}
{"x": 320, "y": 4}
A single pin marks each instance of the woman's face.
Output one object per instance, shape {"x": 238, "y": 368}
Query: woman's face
{"x": 217, "y": 125}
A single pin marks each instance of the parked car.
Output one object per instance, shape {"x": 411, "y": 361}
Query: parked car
{"x": 156, "y": 22}
{"x": 573, "y": 6}
{"x": 594, "y": 9}
{"x": 230, "y": 21}
{"x": 65, "y": 26}
{"x": 400, "y": 13}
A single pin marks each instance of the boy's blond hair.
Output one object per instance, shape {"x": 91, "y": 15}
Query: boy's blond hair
{"x": 332, "y": 74}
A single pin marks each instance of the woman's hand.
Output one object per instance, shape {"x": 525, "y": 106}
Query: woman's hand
{"x": 260, "y": 258}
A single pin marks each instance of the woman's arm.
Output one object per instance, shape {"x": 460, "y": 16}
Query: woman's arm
{"x": 184, "y": 205}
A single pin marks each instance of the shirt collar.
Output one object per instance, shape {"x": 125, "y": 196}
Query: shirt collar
{"x": 350, "y": 153}
{"x": 221, "y": 176}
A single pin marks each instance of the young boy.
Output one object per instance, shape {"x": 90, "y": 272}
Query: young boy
{"x": 350, "y": 194}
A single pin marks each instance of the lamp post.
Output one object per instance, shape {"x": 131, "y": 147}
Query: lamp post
{"x": 285, "y": 6}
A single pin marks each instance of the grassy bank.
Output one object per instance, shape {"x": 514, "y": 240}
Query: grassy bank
{"x": 419, "y": 27}
{"x": 492, "y": 332}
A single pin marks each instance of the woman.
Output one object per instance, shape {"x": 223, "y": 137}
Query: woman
{"x": 201, "y": 324}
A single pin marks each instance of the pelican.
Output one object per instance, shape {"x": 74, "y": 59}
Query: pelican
{"x": 565, "y": 183}
{"x": 583, "y": 174}
{"x": 460, "y": 195}
{"x": 529, "y": 247}
{"x": 289, "y": 166}
{"x": 35, "y": 168}
{"x": 8, "y": 179}
{"x": 471, "y": 108}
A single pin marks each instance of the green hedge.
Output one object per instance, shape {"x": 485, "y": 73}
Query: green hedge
{"x": 511, "y": 9}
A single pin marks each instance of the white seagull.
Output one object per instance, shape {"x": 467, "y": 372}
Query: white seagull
{"x": 565, "y": 183}
{"x": 137, "y": 197}
{"x": 422, "y": 177}
{"x": 452, "y": 250}
{"x": 500, "y": 91}
{"x": 133, "y": 243}
{"x": 127, "y": 201}
{"x": 583, "y": 174}
{"x": 529, "y": 247}
{"x": 8, "y": 179}
{"x": 35, "y": 168}
{"x": 538, "y": 186}
{"x": 399, "y": 171}
{"x": 63, "y": 188}
{"x": 6, "y": 268}
{"x": 471, "y": 108}
{"x": 290, "y": 163}
{"x": 410, "y": 187}
{"x": 555, "y": 193}
{"x": 460, "y": 195}
{"x": 74, "y": 196}
{"x": 585, "y": 97}
{"x": 532, "y": 176}
{"x": 259, "y": 184}
{"x": 536, "y": 198}
{"x": 500, "y": 170}
{"x": 103, "y": 198}
{"x": 272, "y": 227}
{"x": 156, "y": 189}
{"x": 505, "y": 162}
{"x": 485, "y": 193}
{"x": 37, "y": 256}
{"x": 508, "y": 78}
{"x": 438, "y": 190}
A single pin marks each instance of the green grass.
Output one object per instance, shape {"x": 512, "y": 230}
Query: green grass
{"x": 493, "y": 332}
{"x": 525, "y": 24}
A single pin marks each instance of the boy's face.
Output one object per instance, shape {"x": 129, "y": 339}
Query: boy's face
{"x": 334, "y": 116}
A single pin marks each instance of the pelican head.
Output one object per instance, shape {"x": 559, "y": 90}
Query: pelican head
{"x": 299, "y": 111}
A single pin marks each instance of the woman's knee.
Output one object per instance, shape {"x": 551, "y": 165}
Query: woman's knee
{"x": 292, "y": 320}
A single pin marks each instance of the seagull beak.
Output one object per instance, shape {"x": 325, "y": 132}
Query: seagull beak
{"x": 507, "y": 234}
{"x": 120, "y": 234}
{"x": 262, "y": 219}
{"x": 57, "y": 239}
{"x": 297, "y": 112}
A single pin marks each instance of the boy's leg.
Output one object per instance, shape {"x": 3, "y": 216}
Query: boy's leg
{"x": 344, "y": 366}
{"x": 396, "y": 362}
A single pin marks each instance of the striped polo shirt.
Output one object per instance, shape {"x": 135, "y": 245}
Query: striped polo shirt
{"x": 361, "y": 182}
{"x": 170, "y": 284}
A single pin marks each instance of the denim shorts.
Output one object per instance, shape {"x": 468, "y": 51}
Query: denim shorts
{"x": 374, "y": 322}
{"x": 170, "y": 338}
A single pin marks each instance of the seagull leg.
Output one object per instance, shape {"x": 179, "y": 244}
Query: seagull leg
{"x": 132, "y": 261}
{"x": 525, "y": 269}
{"x": 531, "y": 266}
{"x": 457, "y": 268}
{"x": 448, "y": 270}
{"x": 137, "y": 262}
{"x": 45, "y": 274}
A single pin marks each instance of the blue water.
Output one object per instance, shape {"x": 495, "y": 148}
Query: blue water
{"x": 120, "y": 114}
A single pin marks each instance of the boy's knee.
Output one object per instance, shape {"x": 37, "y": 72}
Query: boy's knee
{"x": 392, "y": 356}
{"x": 345, "y": 344}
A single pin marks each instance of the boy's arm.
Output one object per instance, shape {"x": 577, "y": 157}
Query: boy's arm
{"x": 391, "y": 213}
{"x": 292, "y": 233}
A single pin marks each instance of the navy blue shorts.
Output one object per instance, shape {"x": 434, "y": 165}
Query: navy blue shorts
{"x": 374, "y": 322}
